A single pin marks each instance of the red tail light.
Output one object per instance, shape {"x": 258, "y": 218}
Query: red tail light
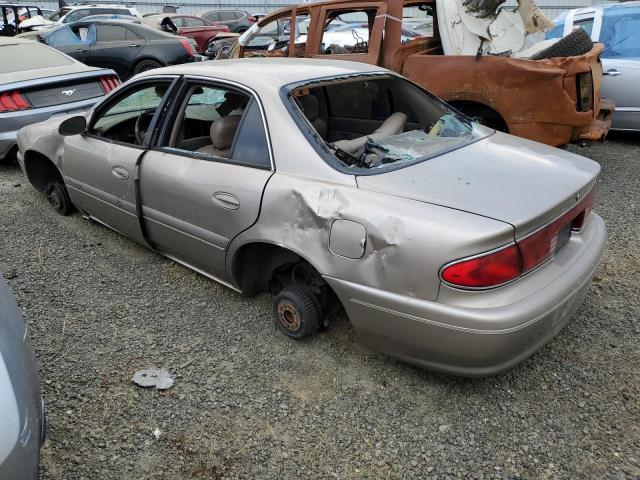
{"x": 485, "y": 271}
{"x": 109, "y": 83}
{"x": 12, "y": 101}
{"x": 540, "y": 246}
{"x": 508, "y": 263}
{"x": 187, "y": 46}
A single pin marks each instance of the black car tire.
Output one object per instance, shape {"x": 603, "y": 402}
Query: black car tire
{"x": 242, "y": 30}
{"x": 576, "y": 43}
{"x": 59, "y": 198}
{"x": 295, "y": 312}
{"x": 144, "y": 65}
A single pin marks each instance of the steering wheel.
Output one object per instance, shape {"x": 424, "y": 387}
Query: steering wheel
{"x": 142, "y": 125}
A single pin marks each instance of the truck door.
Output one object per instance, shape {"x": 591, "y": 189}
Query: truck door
{"x": 350, "y": 32}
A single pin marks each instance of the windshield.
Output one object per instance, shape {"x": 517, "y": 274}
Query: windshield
{"x": 375, "y": 123}
{"x": 55, "y": 16}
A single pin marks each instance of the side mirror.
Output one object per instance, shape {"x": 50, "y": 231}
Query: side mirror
{"x": 73, "y": 126}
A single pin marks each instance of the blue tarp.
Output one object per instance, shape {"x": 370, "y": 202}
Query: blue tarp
{"x": 65, "y": 36}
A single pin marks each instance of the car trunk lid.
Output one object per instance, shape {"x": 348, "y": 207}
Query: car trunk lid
{"x": 521, "y": 182}
{"x": 60, "y": 89}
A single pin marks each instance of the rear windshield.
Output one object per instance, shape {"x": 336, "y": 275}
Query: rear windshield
{"x": 31, "y": 56}
{"x": 375, "y": 123}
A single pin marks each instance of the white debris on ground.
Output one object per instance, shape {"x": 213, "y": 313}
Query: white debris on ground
{"x": 161, "y": 379}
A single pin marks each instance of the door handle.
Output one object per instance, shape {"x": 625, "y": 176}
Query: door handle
{"x": 120, "y": 172}
{"x": 80, "y": 50}
{"x": 226, "y": 200}
{"x": 134, "y": 45}
{"x": 612, "y": 73}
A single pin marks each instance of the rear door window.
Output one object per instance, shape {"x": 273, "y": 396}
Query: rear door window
{"x": 227, "y": 16}
{"x": 193, "y": 22}
{"x": 110, "y": 33}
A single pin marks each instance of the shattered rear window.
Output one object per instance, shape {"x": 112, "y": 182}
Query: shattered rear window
{"x": 396, "y": 123}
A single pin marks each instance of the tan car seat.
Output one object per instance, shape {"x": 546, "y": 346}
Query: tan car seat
{"x": 223, "y": 131}
{"x": 393, "y": 125}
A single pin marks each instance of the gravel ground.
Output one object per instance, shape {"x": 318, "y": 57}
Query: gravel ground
{"x": 250, "y": 404}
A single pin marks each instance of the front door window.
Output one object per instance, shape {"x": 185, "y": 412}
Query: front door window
{"x": 128, "y": 118}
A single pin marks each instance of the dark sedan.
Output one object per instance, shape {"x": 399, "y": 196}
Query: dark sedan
{"x": 128, "y": 48}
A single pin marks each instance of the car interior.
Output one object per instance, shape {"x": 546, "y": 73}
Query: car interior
{"x": 375, "y": 121}
{"x": 127, "y": 120}
{"x": 208, "y": 120}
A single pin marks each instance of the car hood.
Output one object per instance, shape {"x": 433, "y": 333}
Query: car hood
{"x": 524, "y": 183}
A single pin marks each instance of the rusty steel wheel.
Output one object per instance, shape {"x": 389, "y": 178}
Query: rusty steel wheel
{"x": 295, "y": 312}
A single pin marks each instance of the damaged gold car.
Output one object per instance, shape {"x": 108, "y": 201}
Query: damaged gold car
{"x": 492, "y": 64}
{"x": 331, "y": 184}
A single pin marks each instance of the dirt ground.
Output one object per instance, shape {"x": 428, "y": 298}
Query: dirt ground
{"x": 249, "y": 403}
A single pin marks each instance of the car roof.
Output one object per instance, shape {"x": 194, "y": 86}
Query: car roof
{"x": 262, "y": 74}
{"x": 106, "y": 5}
{"x": 604, "y": 6}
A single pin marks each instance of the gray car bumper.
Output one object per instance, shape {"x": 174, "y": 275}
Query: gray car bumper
{"x": 11, "y": 122}
{"x": 474, "y": 341}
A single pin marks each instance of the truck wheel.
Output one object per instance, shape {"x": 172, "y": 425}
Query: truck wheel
{"x": 58, "y": 198}
{"x": 576, "y": 43}
{"x": 145, "y": 65}
{"x": 295, "y": 312}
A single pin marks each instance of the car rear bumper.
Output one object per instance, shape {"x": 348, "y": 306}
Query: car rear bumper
{"x": 597, "y": 130}
{"x": 472, "y": 340}
{"x": 10, "y": 123}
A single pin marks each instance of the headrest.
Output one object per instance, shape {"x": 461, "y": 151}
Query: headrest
{"x": 223, "y": 130}
{"x": 160, "y": 90}
{"x": 310, "y": 106}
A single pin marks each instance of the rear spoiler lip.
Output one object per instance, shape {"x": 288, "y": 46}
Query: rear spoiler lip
{"x": 27, "y": 84}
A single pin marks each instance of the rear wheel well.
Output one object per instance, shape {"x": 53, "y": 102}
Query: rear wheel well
{"x": 263, "y": 267}
{"x": 41, "y": 170}
{"x": 481, "y": 113}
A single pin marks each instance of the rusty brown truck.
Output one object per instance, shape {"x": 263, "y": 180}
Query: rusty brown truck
{"x": 494, "y": 66}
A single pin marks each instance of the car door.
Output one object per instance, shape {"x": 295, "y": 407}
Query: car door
{"x": 99, "y": 165}
{"x": 116, "y": 47}
{"x": 202, "y": 184}
{"x": 620, "y": 34}
{"x": 358, "y": 44}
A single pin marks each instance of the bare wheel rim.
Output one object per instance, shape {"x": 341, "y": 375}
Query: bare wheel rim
{"x": 54, "y": 199}
{"x": 289, "y": 316}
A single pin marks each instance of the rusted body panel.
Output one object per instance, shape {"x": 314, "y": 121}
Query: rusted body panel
{"x": 536, "y": 99}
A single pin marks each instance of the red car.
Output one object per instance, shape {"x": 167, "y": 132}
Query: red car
{"x": 198, "y": 28}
